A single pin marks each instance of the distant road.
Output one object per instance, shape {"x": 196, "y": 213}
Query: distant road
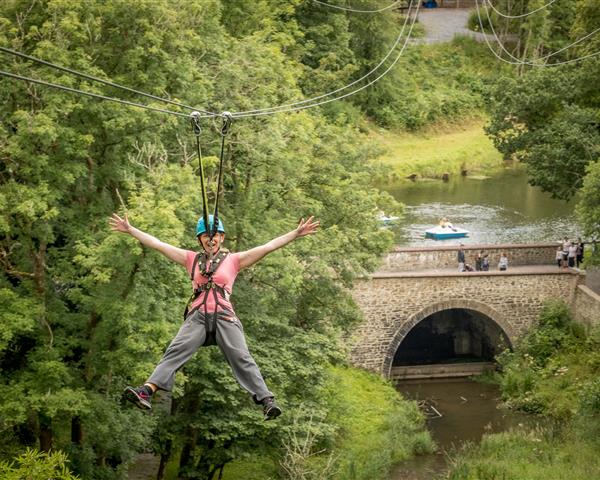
{"x": 442, "y": 24}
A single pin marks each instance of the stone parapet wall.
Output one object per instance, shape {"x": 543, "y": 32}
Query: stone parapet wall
{"x": 586, "y": 307}
{"x": 426, "y": 258}
{"x": 393, "y": 305}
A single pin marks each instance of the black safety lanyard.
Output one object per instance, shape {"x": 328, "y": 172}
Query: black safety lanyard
{"x": 226, "y": 120}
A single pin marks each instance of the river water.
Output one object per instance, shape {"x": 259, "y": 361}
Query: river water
{"x": 467, "y": 409}
{"x": 502, "y": 208}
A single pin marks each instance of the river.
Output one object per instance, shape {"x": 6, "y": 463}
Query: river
{"x": 463, "y": 410}
{"x": 502, "y": 208}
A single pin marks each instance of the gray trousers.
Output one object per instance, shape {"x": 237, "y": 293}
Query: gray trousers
{"x": 231, "y": 341}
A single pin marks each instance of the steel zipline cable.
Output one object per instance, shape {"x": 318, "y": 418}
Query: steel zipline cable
{"x": 355, "y": 10}
{"x": 371, "y": 82}
{"x": 300, "y": 105}
{"x": 285, "y": 107}
{"x": 99, "y": 80}
{"x": 526, "y": 14}
{"x": 525, "y": 62}
{"x": 90, "y": 94}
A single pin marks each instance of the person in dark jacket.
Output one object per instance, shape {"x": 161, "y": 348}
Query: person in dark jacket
{"x": 461, "y": 258}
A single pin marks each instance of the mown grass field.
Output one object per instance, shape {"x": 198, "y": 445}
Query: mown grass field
{"x": 437, "y": 150}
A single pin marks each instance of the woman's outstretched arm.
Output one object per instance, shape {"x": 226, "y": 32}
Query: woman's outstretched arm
{"x": 250, "y": 257}
{"x": 118, "y": 224}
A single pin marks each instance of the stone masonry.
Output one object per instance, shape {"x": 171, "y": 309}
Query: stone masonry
{"x": 393, "y": 303}
{"x": 586, "y": 307}
{"x": 423, "y": 258}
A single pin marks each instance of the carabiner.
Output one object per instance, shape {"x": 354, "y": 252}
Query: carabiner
{"x": 226, "y": 119}
{"x": 195, "y": 119}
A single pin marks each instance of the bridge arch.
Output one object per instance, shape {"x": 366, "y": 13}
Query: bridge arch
{"x": 408, "y": 324}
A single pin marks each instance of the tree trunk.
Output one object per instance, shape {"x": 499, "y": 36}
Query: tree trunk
{"x": 45, "y": 433}
{"x": 76, "y": 431}
{"x": 186, "y": 461}
{"x": 165, "y": 456}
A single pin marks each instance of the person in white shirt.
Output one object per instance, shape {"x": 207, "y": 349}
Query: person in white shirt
{"x": 559, "y": 257}
{"x": 503, "y": 263}
{"x": 572, "y": 254}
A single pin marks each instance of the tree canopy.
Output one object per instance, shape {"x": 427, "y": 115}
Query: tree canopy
{"x": 84, "y": 311}
{"x": 549, "y": 117}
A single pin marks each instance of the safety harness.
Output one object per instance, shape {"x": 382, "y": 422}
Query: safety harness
{"x": 207, "y": 267}
{"x": 208, "y": 263}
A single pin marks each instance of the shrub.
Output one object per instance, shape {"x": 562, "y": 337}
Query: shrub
{"x": 36, "y": 465}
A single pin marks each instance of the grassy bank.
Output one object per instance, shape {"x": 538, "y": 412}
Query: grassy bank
{"x": 377, "y": 428}
{"x": 374, "y": 429}
{"x": 438, "y": 150}
{"x": 555, "y": 373}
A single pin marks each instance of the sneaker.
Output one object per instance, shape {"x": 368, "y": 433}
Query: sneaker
{"x": 270, "y": 409}
{"x": 138, "y": 396}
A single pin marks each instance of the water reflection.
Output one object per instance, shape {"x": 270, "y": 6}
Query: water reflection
{"x": 469, "y": 410}
{"x": 499, "y": 209}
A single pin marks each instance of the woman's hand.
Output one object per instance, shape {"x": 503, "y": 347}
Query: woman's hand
{"x": 118, "y": 224}
{"x": 307, "y": 227}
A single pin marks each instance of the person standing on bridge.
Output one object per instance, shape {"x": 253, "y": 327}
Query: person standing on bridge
{"x": 503, "y": 263}
{"x": 572, "y": 255}
{"x": 485, "y": 263}
{"x": 580, "y": 251}
{"x": 559, "y": 257}
{"x": 461, "y": 258}
{"x": 209, "y": 316}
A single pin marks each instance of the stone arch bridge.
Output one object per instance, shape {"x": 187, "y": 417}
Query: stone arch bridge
{"x": 410, "y": 307}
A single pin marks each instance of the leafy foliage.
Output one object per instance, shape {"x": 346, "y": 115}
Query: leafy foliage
{"x": 548, "y": 117}
{"x": 85, "y": 312}
{"x": 553, "y": 372}
{"x": 33, "y": 464}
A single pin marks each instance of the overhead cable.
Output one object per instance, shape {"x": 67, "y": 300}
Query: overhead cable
{"x": 529, "y": 63}
{"x": 489, "y": 2}
{"x": 99, "y": 80}
{"x": 370, "y": 72}
{"x": 90, "y": 94}
{"x": 551, "y": 54}
{"x": 303, "y": 107}
{"x": 355, "y": 10}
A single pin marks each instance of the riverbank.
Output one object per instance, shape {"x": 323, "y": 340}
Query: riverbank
{"x": 553, "y": 373}
{"x": 443, "y": 149}
{"x": 373, "y": 428}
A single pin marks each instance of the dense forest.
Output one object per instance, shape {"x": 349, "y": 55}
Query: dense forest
{"x": 85, "y": 311}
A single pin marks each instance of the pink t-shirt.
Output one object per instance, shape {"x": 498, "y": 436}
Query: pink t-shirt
{"x": 224, "y": 277}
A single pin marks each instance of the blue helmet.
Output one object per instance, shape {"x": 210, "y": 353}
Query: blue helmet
{"x": 201, "y": 227}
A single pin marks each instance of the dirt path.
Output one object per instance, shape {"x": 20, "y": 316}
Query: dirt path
{"x": 145, "y": 467}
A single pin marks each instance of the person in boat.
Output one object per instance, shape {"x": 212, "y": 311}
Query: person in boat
{"x": 210, "y": 318}
{"x": 445, "y": 223}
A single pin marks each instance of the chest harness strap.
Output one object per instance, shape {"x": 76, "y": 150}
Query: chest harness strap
{"x": 207, "y": 269}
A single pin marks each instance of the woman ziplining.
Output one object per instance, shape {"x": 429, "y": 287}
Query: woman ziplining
{"x": 209, "y": 317}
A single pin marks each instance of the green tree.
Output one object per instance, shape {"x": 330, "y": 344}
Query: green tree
{"x": 85, "y": 312}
